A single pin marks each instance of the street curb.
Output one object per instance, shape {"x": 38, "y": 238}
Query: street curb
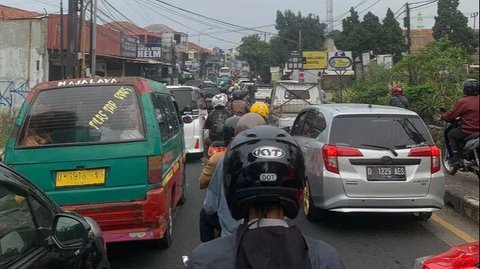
{"x": 464, "y": 205}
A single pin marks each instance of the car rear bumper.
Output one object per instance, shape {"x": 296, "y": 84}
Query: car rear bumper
{"x": 129, "y": 221}
{"x": 343, "y": 203}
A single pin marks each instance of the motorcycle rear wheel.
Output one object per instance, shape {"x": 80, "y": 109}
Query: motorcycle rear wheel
{"x": 446, "y": 163}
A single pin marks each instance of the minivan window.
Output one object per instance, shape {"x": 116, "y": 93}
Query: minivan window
{"x": 297, "y": 94}
{"x": 393, "y": 131}
{"x": 79, "y": 115}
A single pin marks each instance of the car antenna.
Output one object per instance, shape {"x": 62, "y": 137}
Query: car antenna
{"x": 369, "y": 105}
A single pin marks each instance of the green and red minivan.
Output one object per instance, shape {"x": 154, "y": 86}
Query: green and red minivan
{"x": 108, "y": 148}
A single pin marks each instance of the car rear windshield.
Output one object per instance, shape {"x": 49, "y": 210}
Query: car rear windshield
{"x": 92, "y": 114}
{"x": 297, "y": 94}
{"x": 184, "y": 98}
{"x": 393, "y": 131}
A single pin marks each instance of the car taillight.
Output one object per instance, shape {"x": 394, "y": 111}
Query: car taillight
{"x": 155, "y": 169}
{"x": 197, "y": 143}
{"x": 432, "y": 151}
{"x": 331, "y": 154}
{"x": 463, "y": 256}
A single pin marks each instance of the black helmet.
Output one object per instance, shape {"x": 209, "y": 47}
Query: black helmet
{"x": 263, "y": 165}
{"x": 470, "y": 87}
{"x": 229, "y": 129}
{"x": 237, "y": 94}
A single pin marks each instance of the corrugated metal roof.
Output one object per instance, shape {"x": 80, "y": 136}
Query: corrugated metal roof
{"x": 11, "y": 13}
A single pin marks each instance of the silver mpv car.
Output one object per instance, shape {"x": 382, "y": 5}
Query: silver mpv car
{"x": 364, "y": 158}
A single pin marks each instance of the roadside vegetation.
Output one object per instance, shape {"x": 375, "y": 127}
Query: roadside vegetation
{"x": 6, "y": 121}
{"x": 432, "y": 79}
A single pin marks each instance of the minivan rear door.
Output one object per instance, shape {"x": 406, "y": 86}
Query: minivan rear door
{"x": 384, "y": 166}
{"x": 84, "y": 144}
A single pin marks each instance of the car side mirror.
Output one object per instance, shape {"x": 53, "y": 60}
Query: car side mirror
{"x": 70, "y": 231}
{"x": 187, "y": 119}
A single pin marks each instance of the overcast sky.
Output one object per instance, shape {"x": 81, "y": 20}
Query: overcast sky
{"x": 259, "y": 14}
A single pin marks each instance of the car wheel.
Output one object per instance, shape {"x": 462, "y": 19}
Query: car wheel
{"x": 422, "y": 216}
{"x": 183, "y": 196}
{"x": 446, "y": 163}
{"x": 312, "y": 213}
{"x": 166, "y": 240}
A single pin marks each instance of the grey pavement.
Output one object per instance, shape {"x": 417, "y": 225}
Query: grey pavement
{"x": 461, "y": 193}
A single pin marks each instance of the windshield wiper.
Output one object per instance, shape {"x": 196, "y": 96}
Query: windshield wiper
{"x": 381, "y": 147}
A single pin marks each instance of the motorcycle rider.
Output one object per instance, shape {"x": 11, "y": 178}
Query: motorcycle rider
{"x": 238, "y": 106}
{"x": 215, "y": 202}
{"x": 209, "y": 222}
{"x": 262, "y": 109}
{"x": 215, "y": 120}
{"x": 264, "y": 178}
{"x": 467, "y": 110}
{"x": 398, "y": 99}
{"x": 234, "y": 87}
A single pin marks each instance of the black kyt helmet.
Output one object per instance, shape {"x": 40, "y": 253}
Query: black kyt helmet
{"x": 470, "y": 87}
{"x": 229, "y": 129}
{"x": 237, "y": 94}
{"x": 263, "y": 165}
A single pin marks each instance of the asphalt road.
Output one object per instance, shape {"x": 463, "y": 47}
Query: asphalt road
{"x": 362, "y": 240}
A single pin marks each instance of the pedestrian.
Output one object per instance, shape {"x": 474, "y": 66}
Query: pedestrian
{"x": 398, "y": 99}
{"x": 264, "y": 178}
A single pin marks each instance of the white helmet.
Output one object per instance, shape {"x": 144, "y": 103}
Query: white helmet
{"x": 219, "y": 100}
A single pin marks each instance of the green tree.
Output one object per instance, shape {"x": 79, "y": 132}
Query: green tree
{"x": 289, "y": 26}
{"x": 372, "y": 34}
{"x": 451, "y": 23}
{"x": 255, "y": 52}
{"x": 392, "y": 41}
{"x": 350, "y": 37}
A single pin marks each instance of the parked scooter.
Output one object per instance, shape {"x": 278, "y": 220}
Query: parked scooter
{"x": 469, "y": 161}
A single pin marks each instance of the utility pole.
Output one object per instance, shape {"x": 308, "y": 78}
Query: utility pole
{"x": 474, "y": 16}
{"x": 72, "y": 38}
{"x": 62, "y": 60}
{"x": 406, "y": 23}
{"x": 93, "y": 38}
{"x": 173, "y": 62}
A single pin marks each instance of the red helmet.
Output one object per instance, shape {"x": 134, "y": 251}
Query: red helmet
{"x": 396, "y": 90}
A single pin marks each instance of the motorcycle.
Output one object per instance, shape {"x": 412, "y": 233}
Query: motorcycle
{"x": 469, "y": 161}
{"x": 215, "y": 147}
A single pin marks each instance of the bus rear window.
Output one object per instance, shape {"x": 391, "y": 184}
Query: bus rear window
{"x": 76, "y": 115}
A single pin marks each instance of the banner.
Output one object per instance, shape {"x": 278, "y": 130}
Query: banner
{"x": 315, "y": 60}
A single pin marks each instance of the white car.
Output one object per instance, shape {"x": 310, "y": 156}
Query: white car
{"x": 190, "y": 105}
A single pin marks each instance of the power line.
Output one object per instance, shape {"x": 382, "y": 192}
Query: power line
{"x": 184, "y": 25}
{"x": 339, "y": 17}
{"x": 359, "y": 13}
{"x": 224, "y": 23}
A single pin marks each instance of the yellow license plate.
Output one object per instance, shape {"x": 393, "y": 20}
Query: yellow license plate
{"x": 80, "y": 178}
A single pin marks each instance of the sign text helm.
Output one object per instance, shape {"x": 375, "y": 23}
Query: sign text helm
{"x": 263, "y": 166}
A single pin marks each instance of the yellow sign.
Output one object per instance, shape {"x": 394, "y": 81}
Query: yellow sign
{"x": 80, "y": 177}
{"x": 315, "y": 60}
